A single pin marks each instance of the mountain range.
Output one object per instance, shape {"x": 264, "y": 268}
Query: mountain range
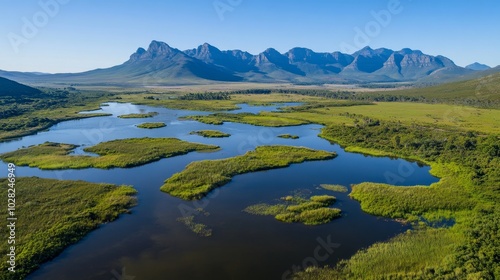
{"x": 161, "y": 64}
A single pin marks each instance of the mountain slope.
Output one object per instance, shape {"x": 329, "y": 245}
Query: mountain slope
{"x": 15, "y": 89}
{"x": 486, "y": 88}
{"x": 159, "y": 64}
{"x": 476, "y": 66}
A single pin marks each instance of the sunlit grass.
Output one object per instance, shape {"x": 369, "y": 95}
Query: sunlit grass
{"x": 199, "y": 178}
{"x": 412, "y": 255}
{"x": 54, "y": 214}
{"x": 210, "y": 133}
{"x": 297, "y": 209}
{"x": 117, "y": 153}
{"x": 334, "y": 188}
{"x": 139, "y": 116}
{"x": 151, "y": 125}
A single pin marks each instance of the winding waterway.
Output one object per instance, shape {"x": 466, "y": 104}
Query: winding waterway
{"x": 151, "y": 244}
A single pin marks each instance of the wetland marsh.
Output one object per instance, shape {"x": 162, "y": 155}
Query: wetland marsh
{"x": 239, "y": 244}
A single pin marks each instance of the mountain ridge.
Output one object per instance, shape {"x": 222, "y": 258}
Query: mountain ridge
{"x": 161, "y": 64}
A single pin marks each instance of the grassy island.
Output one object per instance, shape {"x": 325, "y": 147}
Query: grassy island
{"x": 296, "y": 209}
{"x": 201, "y": 177}
{"x": 210, "y": 133}
{"x": 288, "y": 136}
{"x": 334, "y": 188}
{"x": 151, "y": 125}
{"x": 117, "y": 153}
{"x": 139, "y": 116}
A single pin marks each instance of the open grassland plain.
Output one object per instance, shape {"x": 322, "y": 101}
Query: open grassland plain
{"x": 483, "y": 91}
{"x": 435, "y": 115}
{"x": 199, "y": 178}
{"x": 151, "y": 125}
{"x": 53, "y": 214}
{"x": 211, "y": 133}
{"x": 118, "y": 153}
{"x": 297, "y": 209}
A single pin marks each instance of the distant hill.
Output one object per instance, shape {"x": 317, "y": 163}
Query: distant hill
{"x": 484, "y": 90}
{"x": 15, "y": 89}
{"x": 161, "y": 64}
{"x": 477, "y": 66}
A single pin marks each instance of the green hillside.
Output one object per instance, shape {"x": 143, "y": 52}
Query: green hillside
{"x": 481, "y": 89}
{"x": 15, "y": 89}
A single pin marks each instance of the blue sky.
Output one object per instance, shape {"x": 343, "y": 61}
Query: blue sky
{"x": 78, "y": 35}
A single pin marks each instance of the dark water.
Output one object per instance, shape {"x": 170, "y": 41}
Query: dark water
{"x": 151, "y": 244}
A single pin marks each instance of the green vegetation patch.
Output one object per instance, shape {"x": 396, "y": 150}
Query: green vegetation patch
{"x": 416, "y": 251}
{"x": 334, "y": 188}
{"x": 407, "y": 202}
{"x": 118, "y": 153}
{"x": 151, "y": 125}
{"x": 262, "y": 119}
{"x": 201, "y": 177}
{"x": 296, "y": 209}
{"x": 210, "y": 133}
{"x": 20, "y": 116}
{"x": 54, "y": 214}
{"x": 198, "y": 228}
{"x": 265, "y": 209}
{"x": 469, "y": 166}
{"x": 288, "y": 136}
{"x": 139, "y": 116}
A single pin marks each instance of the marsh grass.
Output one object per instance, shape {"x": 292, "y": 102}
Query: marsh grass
{"x": 468, "y": 165}
{"x": 416, "y": 254}
{"x": 54, "y": 214}
{"x": 308, "y": 205}
{"x": 151, "y": 125}
{"x": 117, "y": 153}
{"x": 265, "y": 209}
{"x": 288, "y": 136}
{"x": 198, "y": 228}
{"x": 199, "y": 178}
{"x": 210, "y": 133}
{"x": 319, "y": 216}
{"x": 409, "y": 202}
{"x": 334, "y": 188}
{"x": 139, "y": 116}
{"x": 297, "y": 209}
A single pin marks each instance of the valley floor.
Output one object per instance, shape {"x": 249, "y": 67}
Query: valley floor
{"x": 460, "y": 143}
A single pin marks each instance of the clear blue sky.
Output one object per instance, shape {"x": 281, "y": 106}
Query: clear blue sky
{"x": 79, "y": 35}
